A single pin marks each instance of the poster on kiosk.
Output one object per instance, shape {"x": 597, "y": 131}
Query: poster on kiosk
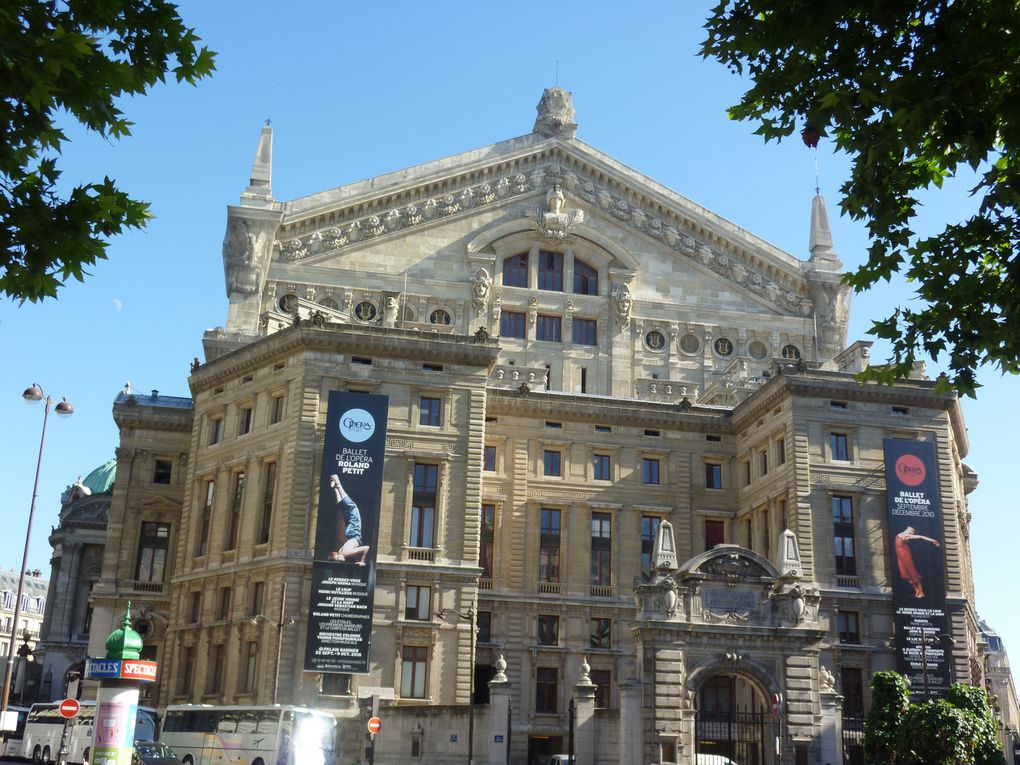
{"x": 917, "y": 565}
{"x": 346, "y": 533}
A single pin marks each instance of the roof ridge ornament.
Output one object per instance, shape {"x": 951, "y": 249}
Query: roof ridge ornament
{"x": 555, "y": 114}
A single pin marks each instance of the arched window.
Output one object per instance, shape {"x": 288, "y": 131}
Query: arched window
{"x": 550, "y": 270}
{"x": 586, "y": 279}
{"x": 515, "y": 270}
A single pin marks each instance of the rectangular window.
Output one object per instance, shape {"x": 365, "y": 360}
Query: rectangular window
{"x": 186, "y": 670}
{"x": 546, "y": 690}
{"x": 602, "y": 467}
{"x": 843, "y": 535}
{"x": 419, "y": 603}
{"x": 600, "y": 633}
{"x": 584, "y": 332}
{"x": 217, "y": 664}
{"x": 223, "y": 611}
{"x": 649, "y": 530}
{"x": 586, "y": 279}
{"x": 848, "y": 625}
{"x": 766, "y": 528}
{"x": 276, "y": 408}
{"x": 601, "y": 549}
{"x": 513, "y": 324}
{"x": 423, "y": 505}
{"x": 195, "y": 608}
{"x": 548, "y": 630}
{"x": 236, "y": 503}
{"x": 268, "y": 492}
{"x": 205, "y": 519}
{"x": 489, "y": 459}
{"x": 549, "y": 546}
{"x": 713, "y": 475}
{"x": 483, "y": 622}
{"x": 763, "y": 460}
{"x": 746, "y": 467}
{"x": 552, "y": 462}
{"x": 780, "y": 451}
{"x": 515, "y": 271}
{"x": 215, "y": 430}
{"x": 413, "y": 669}
{"x": 650, "y": 470}
{"x": 161, "y": 471}
{"x": 838, "y": 446}
{"x": 244, "y": 417}
{"x": 550, "y": 271}
{"x": 548, "y": 328}
{"x": 258, "y": 594}
{"x": 603, "y": 679}
{"x": 485, "y": 547}
{"x": 153, "y": 543}
{"x": 431, "y": 412}
{"x": 251, "y": 661}
{"x": 852, "y": 687}
{"x": 715, "y": 533}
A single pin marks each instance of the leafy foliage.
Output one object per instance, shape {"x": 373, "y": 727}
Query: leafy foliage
{"x": 74, "y": 59}
{"x": 913, "y": 91}
{"x": 956, "y": 730}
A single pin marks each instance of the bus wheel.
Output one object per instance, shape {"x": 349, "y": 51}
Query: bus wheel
{"x": 37, "y": 755}
{"x": 85, "y": 756}
{"x": 46, "y": 755}
{"x": 258, "y": 761}
{"x": 188, "y": 760}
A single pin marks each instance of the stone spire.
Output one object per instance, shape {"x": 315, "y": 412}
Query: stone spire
{"x": 555, "y": 114}
{"x": 820, "y": 243}
{"x": 664, "y": 550}
{"x": 260, "y": 186}
{"x": 831, "y": 298}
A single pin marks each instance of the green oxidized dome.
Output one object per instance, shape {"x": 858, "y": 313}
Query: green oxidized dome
{"x": 100, "y": 480}
{"x": 124, "y": 643}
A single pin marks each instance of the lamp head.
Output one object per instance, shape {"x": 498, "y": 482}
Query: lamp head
{"x": 33, "y": 394}
{"x": 64, "y": 408}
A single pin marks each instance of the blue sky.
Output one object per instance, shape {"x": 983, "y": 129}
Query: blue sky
{"x": 355, "y": 90}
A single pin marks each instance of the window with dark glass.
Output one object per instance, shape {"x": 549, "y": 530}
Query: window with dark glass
{"x": 549, "y": 545}
{"x": 431, "y": 412}
{"x": 843, "y": 535}
{"x": 713, "y": 475}
{"x": 550, "y": 271}
{"x": 483, "y": 621}
{"x": 649, "y": 529}
{"x": 650, "y": 470}
{"x": 515, "y": 271}
{"x": 715, "y": 533}
{"x": 258, "y": 594}
{"x": 584, "y": 332}
{"x": 251, "y": 660}
{"x": 244, "y": 418}
{"x": 513, "y": 324}
{"x": 602, "y": 467}
{"x": 488, "y": 533}
{"x": 234, "y": 521}
{"x": 217, "y": 665}
{"x": 215, "y": 430}
{"x": 223, "y": 610}
{"x": 546, "y": 689}
{"x": 552, "y": 462}
{"x": 601, "y": 549}
{"x": 276, "y": 409}
{"x": 600, "y": 633}
{"x": 602, "y": 678}
{"x": 548, "y": 328}
{"x": 586, "y": 278}
{"x": 423, "y": 505}
{"x": 780, "y": 451}
{"x": 161, "y": 471}
{"x": 838, "y": 446}
{"x": 153, "y": 543}
{"x": 763, "y": 460}
{"x": 548, "y": 629}
{"x": 195, "y": 608}
{"x": 852, "y": 687}
{"x": 848, "y": 625}
{"x": 413, "y": 668}
{"x": 186, "y": 674}
{"x": 268, "y": 492}
{"x": 418, "y": 605}
{"x": 489, "y": 459}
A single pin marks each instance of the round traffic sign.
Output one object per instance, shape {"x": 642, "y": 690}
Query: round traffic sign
{"x": 374, "y": 725}
{"x": 69, "y": 708}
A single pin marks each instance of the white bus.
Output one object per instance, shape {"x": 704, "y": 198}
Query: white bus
{"x": 250, "y": 735}
{"x": 44, "y": 728}
{"x": 11, "y": 746}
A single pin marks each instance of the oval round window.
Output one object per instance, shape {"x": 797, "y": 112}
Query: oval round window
{"x": 791, "y": 352}
{"x": 655, "y": 340}
{"x": 723, "y": 346}
{"x": 365, "y": 311}
{"x": 287, "y": 302}
{"x": 690, "y": 343}
{"x": 439, "y": 316}
{"x": 757, "y": 350}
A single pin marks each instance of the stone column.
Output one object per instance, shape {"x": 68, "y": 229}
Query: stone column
{"x": 831, "y": 722}
{"x": 584, "y": 717}
{"x": 499, "y": 709}
{"x": 630, "y": 722}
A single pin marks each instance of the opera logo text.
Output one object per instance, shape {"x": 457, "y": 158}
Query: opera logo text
{"x": 357, "y": 425}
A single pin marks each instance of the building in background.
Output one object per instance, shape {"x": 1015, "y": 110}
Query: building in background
{"x": 999, "y": 683}
{"x": 624, "y": 439}
{"x": 27, "y": 669}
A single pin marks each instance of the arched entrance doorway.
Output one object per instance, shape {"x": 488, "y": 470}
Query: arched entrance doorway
{"x": 733, "y": 723}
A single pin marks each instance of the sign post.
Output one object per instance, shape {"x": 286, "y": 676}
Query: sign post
{"x": 68, "y": 709}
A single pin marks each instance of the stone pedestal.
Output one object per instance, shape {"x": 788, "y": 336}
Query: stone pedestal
{"x": 630, "y": 722}
{"x": 499, "y": 726}
{"x": 831, "y": 738}
{"x": 584, "y": 719}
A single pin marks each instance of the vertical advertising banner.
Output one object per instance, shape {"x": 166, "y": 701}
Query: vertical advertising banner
{"x": 346, "y": 533}
{"x": 918, "y": 565}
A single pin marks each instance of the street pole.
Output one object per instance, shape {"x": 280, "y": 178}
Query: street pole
{"x": 279, "y": 640}
{"x": 470, "y": 616}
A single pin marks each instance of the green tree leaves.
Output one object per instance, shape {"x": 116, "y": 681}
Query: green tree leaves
{"x": 76, "y": 57}
{"x": 912, "y": 91}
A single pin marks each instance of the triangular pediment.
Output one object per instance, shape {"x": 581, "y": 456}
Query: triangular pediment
{"x": 502, "y": 184}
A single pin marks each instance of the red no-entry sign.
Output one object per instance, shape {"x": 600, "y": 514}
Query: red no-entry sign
{"x": 69, "y": 708}
{"x": 374, "y": 725}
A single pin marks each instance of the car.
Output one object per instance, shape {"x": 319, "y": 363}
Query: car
{"x": 153, "y": 753}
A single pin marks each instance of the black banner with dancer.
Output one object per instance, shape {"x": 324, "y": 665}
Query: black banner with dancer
{"x": 923, "y": 646}
{"x": 346, "y": 533}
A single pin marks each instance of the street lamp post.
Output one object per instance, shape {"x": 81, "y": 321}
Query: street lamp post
{"x": 930, "y": 641}
{"x": 284, "y": 621}
{"x": 64, "y": 409}
{"x": 469, "y": 615}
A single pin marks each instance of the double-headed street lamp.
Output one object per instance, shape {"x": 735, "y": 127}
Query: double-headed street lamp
{"x": 64, "y": 409}
{"x": 284, "y": 621}
{"x": 930, "y": 641}
{"x": 469, "y": 615}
